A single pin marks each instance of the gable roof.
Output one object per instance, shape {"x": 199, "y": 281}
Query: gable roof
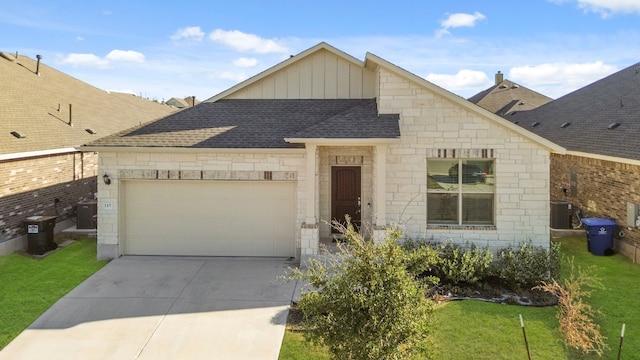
{"x": 373, "y": 61}
{"x": 257, "y": 124}
{"x": 37, "y": 107}
{"x": 589, "y": 113}
{"x": 505, "y": 97}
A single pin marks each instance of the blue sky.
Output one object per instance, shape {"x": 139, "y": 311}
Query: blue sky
{"x": 161, "y": 49}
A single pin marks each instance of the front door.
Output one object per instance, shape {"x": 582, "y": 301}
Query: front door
{"x": 345, "y": 194}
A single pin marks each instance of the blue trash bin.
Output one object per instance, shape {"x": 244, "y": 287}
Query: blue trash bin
{"x": 599, "y": 235}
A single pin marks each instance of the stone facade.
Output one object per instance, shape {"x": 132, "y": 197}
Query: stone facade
{"x": 30, "y": 186}
{"x": 430, "y": 125}
{"x": 602, "y": 189}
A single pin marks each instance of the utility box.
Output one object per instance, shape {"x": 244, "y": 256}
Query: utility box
{"x": 40, "y": 234}
{"x": 87, "y": 211}
{"x": 599, "y": 235}
{"x": 560, "y": 215}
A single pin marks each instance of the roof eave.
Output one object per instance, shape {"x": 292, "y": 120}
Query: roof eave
{"x": 343, "y": 141}
{"x": 159, "y": 149}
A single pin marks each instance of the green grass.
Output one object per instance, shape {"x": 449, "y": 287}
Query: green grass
{"x": 480, "y": 330}
{"x": 29, "y": 286}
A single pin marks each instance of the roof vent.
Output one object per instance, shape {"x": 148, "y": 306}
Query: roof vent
{"x": 503, "y": 86}
{"x": 535, "y": 124}
{"x": 17, "y": 135}
{"x": 613, "y": 125}
{"x": 515, "y": 86}
{"x": 90, "y": 131}
{"x": 564, "y": 125}
{"x": 521, "y": 103}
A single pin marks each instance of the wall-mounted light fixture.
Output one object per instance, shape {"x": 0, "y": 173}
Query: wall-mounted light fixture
{"x": 106, "y": 179}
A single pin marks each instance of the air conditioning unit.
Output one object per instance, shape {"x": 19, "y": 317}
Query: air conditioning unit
{"x": 560, "y": 215}
{"x": 87, "y": 212}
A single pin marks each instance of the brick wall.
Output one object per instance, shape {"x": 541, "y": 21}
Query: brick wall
{"x": 603, "y": 188}
{"x": 31, "y": 186}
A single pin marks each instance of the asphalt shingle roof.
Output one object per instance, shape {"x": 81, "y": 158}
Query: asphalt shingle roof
{"x": 250, "y": 123}
{"x": 507, "y": 96}
{"x": 589, "y": 111}
{"x": 37, "y": 107}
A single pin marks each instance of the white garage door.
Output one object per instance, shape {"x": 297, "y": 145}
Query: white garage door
{"x": 209, "y": 218}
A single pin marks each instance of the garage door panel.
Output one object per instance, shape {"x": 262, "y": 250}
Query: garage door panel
{"x": 209, "y": 218}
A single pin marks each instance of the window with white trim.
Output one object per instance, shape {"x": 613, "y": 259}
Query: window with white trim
{"x": 460, "y": 192}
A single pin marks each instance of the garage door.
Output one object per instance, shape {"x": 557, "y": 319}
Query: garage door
{"x": 209, "y": 218}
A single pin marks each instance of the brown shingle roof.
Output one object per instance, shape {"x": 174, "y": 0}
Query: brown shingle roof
{"x": 507, "y": 97}
{"x": 37, "y": 106}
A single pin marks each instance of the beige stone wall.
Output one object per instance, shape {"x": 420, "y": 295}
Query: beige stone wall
{"x": 200, "y": 166}
{"x": 603, "y": 189}
{"x": 429, "y": 123}
{"x": 30, "y": 187}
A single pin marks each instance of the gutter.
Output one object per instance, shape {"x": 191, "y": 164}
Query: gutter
{"x": 28, "y": 154}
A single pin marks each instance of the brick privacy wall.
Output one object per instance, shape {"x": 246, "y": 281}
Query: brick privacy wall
{"x": 603, "y": 188}
{"x": 30, "y": 186}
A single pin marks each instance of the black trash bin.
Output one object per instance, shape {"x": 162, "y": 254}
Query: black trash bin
{"x": 40, "y": 231}
{"x": 599, "y": 235}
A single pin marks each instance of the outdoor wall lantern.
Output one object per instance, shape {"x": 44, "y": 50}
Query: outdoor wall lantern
{"x": 106, "y": 179}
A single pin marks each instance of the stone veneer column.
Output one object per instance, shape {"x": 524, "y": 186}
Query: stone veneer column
{"x": 380, "y": 193}
{"x": 310, "y": 233}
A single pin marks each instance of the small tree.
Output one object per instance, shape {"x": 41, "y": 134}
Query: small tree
{"x": 367, "y": 304}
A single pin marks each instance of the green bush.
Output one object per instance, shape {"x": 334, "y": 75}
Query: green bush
{"x": 463, "y": 264}
{"x": 367, "y": 304}
{"x": 527, "y": 266}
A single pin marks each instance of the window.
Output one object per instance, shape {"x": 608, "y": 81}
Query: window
{"x": 460, "y": 191}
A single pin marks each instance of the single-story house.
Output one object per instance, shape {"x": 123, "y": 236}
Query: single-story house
{"x": 599, "y": 125}
{"x": 261, "y": 168}
{"x": 45, "y": 116}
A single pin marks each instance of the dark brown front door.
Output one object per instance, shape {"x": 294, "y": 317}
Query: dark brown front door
{"x": 345, "y": 194}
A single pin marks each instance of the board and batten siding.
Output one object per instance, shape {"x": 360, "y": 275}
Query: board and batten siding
{"x": 322, "y": 75}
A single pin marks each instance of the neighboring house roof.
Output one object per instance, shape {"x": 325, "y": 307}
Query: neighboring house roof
{"x": 585, "y": 119}
{"x": 258, "y": 123}
{"x": 177, "y": 102}
{"x": 506, "y": 97}
{"x": 37, "y": 108}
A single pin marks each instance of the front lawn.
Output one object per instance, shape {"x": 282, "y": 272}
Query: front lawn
{"x": 29, "y": 286}
{"x": 472, "y": 329}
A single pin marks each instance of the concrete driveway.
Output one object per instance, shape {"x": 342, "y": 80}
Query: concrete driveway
{"x": 166, "y": 308}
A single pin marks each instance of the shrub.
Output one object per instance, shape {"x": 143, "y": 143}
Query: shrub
{"x": 367, "y": 303}
{"x": 579, "y": 331}
{"x": 527, "y": 266}
{"x": 462, "y": 264}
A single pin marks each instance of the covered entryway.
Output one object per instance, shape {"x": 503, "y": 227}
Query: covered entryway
{"x": 208, "y": 218}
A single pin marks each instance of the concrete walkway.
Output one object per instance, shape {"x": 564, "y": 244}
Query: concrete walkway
{"x": 166, "y": 308}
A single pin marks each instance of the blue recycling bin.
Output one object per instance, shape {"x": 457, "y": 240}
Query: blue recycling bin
{"x": 599, "y": 235}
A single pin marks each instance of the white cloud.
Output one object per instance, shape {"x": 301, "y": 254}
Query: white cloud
{"x": 247, "y": 42}
{"x": 464, "y": 79}
{"x": 609, "y": 7}
{"x": 125, "y": 56}
{"x": 84, "y": 60}
{"x": 193, "y": 33}
{"x": 561, "y": 76}
{"x": 459, "y": 20}
{"x": 95, "y": 61}
{"x": 245, "y": 62}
